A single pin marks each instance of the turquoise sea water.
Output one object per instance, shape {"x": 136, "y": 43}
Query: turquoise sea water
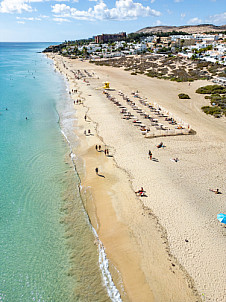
{"x": 46, "y": 242}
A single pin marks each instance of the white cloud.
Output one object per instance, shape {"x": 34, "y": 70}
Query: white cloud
{"x": 123, "y": 10}
{"x": 219, "y": 19}
{"x": 44, "y": 17}
{"x": 60, "y": 20}
{"x": 20, "y": 22}
{"x": 29, "y": 18}
{"x": 59, "y": 8}
{"x": 183, "y": 15}
{"x": 194, "y": 21}
{"x": 19, "y": 6}
{"x": 10, "y": 6}
{"x": 158, "y": 23}
{"x": 152, "y": 1}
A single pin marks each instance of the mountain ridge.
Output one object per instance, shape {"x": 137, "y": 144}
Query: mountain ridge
{"x": 190, "y": 29}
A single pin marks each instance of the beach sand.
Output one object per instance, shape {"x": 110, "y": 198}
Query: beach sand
{"x": 167, "y": 246}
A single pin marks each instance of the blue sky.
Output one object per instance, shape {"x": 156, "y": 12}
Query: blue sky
{"x": 59, "y": 20}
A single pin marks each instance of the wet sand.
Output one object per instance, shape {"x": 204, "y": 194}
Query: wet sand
{"x": 168, "y": 244}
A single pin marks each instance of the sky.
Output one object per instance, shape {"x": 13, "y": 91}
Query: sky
{"x": 60, "y": 20}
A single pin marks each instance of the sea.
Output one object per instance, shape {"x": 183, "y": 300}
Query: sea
{"x": 47, "y": 250}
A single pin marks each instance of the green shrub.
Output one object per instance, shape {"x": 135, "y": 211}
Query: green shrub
{"x": 211, "y": 89}
{"x": 176, "y": 79}
{"x": 152, "y": 74}
{"x": 203, "y": 64}
{"x": 221, "y": 74}
{"x": 215, "y": 110}
{"x": 183, "y": 96}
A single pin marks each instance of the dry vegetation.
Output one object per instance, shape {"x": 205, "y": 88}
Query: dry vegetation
{"x": 171, "y": 68}
{"x": 217, "y": 96}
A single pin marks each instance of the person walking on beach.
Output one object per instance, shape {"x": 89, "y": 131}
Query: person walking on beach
{"x": 85, "y": 117}
{"x": 150, "y": 154}
{"x": 96, "y": 147}
{"x": 96, "y": 170}
{"x": 99, "y": 147}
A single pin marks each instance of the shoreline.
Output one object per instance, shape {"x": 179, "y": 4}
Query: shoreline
{"x": 156, "y": 288}
{"x": 136, "y": 288}
{"x": 109, "y": 285}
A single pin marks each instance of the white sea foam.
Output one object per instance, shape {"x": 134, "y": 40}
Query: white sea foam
{"x": 112, "y": 290}
{"x": 2, "y": 297}
{"x": 73, "y": 156}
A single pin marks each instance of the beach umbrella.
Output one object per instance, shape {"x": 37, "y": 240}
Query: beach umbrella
{"x": 222, "y": 218}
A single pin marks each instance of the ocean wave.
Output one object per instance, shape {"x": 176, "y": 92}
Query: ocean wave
{"x": 112, "y": 290}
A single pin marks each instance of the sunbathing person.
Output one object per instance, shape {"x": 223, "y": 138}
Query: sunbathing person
{"x": 216, "y": 191}
{"x": 140, "y": 192}
{"x": 160, "y": 145}
{"x": 176, "y": 159}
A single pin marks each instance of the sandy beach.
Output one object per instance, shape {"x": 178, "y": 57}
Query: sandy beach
{"x": 167, "y": 245}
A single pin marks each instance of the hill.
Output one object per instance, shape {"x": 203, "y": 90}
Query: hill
{"x": 190, "y": 29}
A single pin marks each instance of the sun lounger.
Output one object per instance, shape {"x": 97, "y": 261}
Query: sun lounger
{"x": 164, "y": 128}
{"x": 137, "y": 122}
